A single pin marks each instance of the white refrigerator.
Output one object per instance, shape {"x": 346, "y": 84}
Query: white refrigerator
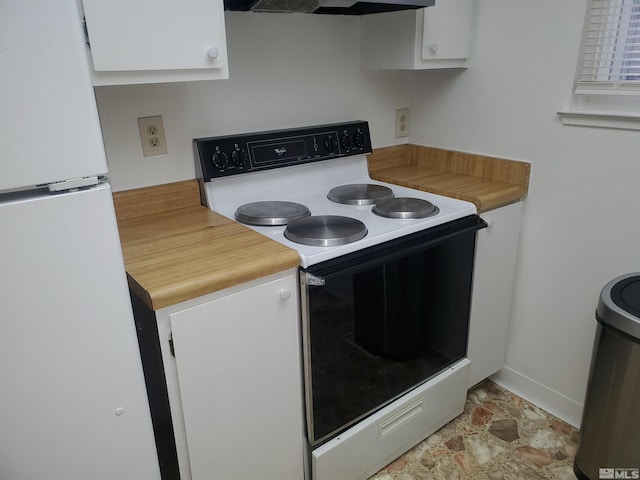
{"x": 73, "y": 402}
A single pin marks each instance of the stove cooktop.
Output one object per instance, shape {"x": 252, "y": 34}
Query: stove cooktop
{"x": 294, "y": 185}
{"x": 309, "y": 183}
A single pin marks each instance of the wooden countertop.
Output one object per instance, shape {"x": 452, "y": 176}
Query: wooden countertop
{"x": 175, "y": 249}
{"x": 486, "y": 181}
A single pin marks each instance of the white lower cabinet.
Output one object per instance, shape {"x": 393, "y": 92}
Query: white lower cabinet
{"x": 496, "y": 252}
{"x": 234, "y": 382}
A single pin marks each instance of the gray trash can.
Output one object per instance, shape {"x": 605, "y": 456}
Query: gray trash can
{"x": 610, "y": 431}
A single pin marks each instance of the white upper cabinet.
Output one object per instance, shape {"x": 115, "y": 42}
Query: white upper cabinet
{"x": 150, "y": 41}
{"x": 427, "y": 38}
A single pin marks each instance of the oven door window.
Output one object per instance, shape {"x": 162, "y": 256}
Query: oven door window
{"x": 384, "y": 322}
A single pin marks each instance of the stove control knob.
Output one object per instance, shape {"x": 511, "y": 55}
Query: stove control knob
{"x": 330, "y": 144}
{"x": 344, "y": 140}
{"x": 219, "y": 159}
{"x": 358, "y": 139}
{"x": 238, "y": 157}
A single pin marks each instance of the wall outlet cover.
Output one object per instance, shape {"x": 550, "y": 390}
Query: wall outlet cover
{"x": 152, "y": 137}
{"x": 402, "y": 122}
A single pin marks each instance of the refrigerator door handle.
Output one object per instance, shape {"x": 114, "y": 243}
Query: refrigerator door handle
{"x": 73, "y": 183}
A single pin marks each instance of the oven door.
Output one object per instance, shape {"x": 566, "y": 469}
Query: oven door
{"x": 381, "y": 321}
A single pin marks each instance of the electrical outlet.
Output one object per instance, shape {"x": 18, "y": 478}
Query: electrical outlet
{"x": 402, "y": 122}
{"x": 154, "y": 141}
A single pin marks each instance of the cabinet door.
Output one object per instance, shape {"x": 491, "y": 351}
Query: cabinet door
{"x": 496, "y": 253}
{"x": 446, "y": 32}
{"x": 148, "y": 36}
{"x": 238, "y": 362}
{"x": 426, "y": 38}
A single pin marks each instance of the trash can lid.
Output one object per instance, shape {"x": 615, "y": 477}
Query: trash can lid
{"x": 619, "y": 304}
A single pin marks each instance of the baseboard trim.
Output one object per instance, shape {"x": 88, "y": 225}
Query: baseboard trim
{"x": 546, "y": 398}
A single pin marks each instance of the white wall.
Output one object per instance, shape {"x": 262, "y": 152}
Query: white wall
{"x": 581, "y": 223}
{"x": 286, "y": 70}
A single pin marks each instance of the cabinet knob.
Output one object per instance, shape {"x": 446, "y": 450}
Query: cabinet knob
{"x": 212, "y": 52}
{"x": 434, "y": 48}
{"x": 285, "y": 294}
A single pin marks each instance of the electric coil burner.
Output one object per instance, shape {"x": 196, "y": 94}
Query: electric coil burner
{"x": 359, "y": 194}
{"x": 270, "y": 213}
{"x": 325, "y": 230}
{"x": 385, "y": 286}
{"x": 405, "y": 207}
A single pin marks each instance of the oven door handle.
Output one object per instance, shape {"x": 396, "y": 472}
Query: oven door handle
{"x": 313, "y": 280}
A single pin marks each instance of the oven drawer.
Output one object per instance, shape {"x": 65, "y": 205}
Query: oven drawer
{"x": 376, "y": 441}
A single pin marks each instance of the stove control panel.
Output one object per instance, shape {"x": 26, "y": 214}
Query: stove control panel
{"x": 238, "y": 154}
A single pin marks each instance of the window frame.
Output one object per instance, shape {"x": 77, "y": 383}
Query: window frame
{"x": 603, "y": 101}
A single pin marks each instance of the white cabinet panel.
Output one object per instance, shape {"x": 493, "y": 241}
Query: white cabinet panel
{"x": 496, "y": 253}
{"x": 238, "y": 364}
{"x": 446, "y": 30}
{"x": 141, "y": 41}
{"x": 388, "y": 40}
{"x": 426, "y": 38}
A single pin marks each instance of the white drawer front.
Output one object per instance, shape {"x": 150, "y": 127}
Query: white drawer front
{"x": 376, "y": 441}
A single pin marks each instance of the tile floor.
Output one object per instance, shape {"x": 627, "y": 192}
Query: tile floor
{"x": 499, "y": 436}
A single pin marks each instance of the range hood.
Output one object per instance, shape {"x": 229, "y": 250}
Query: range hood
{"x": 329, "y": 7}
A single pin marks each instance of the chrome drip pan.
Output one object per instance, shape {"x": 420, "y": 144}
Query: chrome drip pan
{"x": 359, "y": 194}
{"x": 325, "y": 230}
{"x": 271, "y": 213}
{"x": 405, "y": 208}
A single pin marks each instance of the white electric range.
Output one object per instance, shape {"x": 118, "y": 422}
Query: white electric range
{"x": 385, "y": 286}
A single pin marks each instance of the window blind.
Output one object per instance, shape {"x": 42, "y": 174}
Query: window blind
{"x": 609, "y": 60}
